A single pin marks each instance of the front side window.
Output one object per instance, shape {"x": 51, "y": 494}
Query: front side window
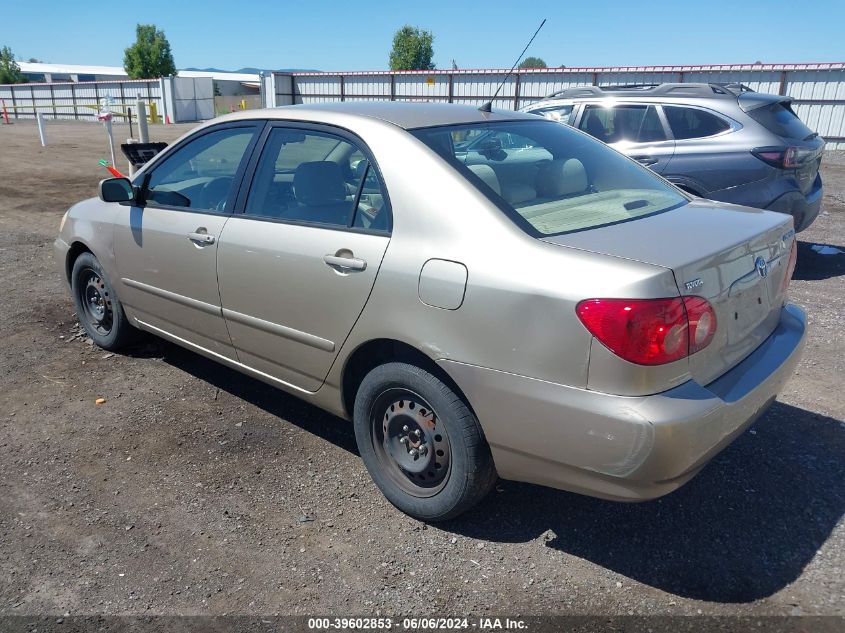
{"x": 693, "y": 123}
{"x": 564, "y": 182}
{"x": 200, "y": 174}
{"x": 632, "y": 123}
{"x": 311, "y": 176}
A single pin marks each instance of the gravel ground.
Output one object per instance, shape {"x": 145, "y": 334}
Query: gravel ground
{"x": 195, "y": 490}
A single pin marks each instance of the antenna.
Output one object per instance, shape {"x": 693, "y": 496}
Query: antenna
{"x": 487, "y": 107}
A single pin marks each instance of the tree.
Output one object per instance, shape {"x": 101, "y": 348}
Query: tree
{"x": 532, "y": 62}
{"x": 412, "y": 49}
{"x": 150, "y": 56}
{"x": 10, "y": 72}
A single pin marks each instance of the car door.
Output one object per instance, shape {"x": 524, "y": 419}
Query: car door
{"x": 166, "y": 245}
{"x": 636, "y": 130}
{"x": 298, "y": 259}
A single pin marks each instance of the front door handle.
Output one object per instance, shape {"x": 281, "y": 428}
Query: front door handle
{"x": 645, "y": 160}
{"x": 202, "y": 238}
{"x": 349, "y": 263}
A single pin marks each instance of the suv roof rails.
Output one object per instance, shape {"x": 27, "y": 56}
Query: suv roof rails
{"x": 707, "y": 90}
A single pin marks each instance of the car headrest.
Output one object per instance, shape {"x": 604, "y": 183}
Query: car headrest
{"x": 562, "y": 178}
{"x": 319, "y": 182}
{"x": 486, "y": 173}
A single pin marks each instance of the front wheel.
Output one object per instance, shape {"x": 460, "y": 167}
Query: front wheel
{"x": 97, "y": 306}
{"x": 420, "y": 442}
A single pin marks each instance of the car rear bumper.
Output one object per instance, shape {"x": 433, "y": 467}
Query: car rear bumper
{"x": 618, "y": 447}
{"x": 777, "y": 194}
{"x": 802, "y": 207}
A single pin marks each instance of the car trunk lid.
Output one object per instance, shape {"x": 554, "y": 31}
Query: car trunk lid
{"x": 734, "y": 257}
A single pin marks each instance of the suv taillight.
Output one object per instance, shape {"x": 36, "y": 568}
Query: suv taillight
{"x": 650, "y": 331}
{"x": 780, "y": 157}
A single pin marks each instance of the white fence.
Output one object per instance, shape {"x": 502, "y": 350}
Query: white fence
{"x": 818, "y": 90}
{"x": 75, "y": 100}
{"x": 177, "y": 99}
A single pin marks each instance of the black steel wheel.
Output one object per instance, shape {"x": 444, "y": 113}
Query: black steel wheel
{"x": 410, "y": 442}
{"x": 94, "y": 296}
{"x": 97, "y": 306}
{"x": 422, "y": 445}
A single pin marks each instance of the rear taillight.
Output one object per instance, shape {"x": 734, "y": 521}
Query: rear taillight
{"x": 650, "y": 331}
{"x": 790, "y": 266}
{"x": 780, "y": 157}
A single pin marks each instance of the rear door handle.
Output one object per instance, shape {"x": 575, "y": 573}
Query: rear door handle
{"x": 645, "y": 160}
{"x": 202, "y": 238}
{"x": 350, "y": 263}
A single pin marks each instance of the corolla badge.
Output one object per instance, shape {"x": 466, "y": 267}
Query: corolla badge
{"x": 762, "y": 267}
{"x": 695, "y": 283}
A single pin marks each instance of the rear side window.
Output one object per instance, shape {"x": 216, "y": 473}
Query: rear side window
{"x": 316, "y": 177}
{"x": 779, "y": 118}
{"x": 632, "y": 123}
{"x": 693, "y": 123}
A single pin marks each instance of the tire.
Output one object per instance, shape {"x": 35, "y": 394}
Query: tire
{"x": 99, "y": 311}
{"x": 455, "y": 471}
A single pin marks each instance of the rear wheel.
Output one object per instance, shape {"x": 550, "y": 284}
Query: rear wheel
{"x": 98, "y": 308}
{"x": 422, "y": 445}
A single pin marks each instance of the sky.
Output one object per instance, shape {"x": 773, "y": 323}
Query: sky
{"x": 323, "y": 35}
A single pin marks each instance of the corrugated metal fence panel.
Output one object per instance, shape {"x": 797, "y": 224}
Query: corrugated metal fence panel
{"x": 534, "y": 87}
{"x": 365, "y": 87}
{"x": 819, "y": 89}
{"x": 423, "y": 87}
{"x": 74, "y": 100}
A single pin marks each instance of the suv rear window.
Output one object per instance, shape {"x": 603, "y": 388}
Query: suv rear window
{"x": 693, "y": 123}
{"x": 780, "y": 119}
{"x": 557, "y": 181}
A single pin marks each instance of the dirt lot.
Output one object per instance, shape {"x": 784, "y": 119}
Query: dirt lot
{"x": 195, "y": 490}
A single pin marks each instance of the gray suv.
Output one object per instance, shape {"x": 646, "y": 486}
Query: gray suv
{"x": 718, "y": 141}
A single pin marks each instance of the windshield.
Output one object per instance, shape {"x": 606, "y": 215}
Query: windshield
{"x": 549, "y": 178}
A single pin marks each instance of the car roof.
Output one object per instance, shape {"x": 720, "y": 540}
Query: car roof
{"x": 405, "y": 115}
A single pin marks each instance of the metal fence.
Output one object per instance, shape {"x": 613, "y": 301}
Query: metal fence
{"x": 78, "y": 101}
{"x": 176, "y": 99}
{"x": 818, "y": 90}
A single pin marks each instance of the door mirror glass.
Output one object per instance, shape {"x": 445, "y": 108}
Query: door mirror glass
{"x": 116, "y": 190}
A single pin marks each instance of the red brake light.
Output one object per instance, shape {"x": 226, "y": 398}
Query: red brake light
{"x": 650, "y": 331}
{"x": 790, "y": 266}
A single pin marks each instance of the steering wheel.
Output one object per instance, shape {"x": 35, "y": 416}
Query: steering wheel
{"x": 215, "y": 193}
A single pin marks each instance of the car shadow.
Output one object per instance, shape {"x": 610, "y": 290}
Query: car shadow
{"x": 742, "y": 529}
{"x": 272, "y": 400}
{"x": 819, "y": 261}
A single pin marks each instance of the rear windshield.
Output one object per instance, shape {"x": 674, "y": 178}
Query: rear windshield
{"x": 779, "y": 118}
{"x": 549, "y": 178}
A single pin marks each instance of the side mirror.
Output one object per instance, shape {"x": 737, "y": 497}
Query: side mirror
{"x": 116, "y": 190}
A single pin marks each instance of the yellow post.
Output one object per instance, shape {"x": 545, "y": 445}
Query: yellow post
{"x": 243, "y": 104}
{"x": 153, "y": 112}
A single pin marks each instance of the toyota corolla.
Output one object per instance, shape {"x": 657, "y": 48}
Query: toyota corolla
{"x": 482, "y": 294}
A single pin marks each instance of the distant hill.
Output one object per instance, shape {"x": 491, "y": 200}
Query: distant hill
{"x": 255, "y": 71}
